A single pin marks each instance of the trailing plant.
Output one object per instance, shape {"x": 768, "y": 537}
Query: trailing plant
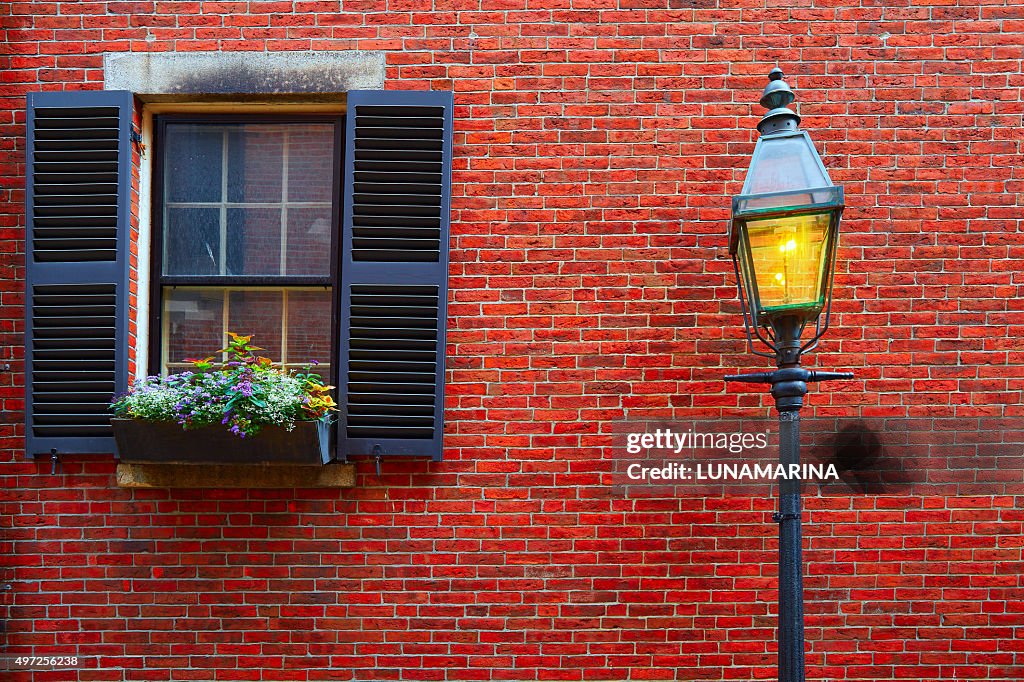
{"x": 245, "y": 393}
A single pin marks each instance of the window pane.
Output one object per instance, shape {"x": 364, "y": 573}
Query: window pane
{"x": 258, "y": 313}
{"x": 254, "y": 241}
{"x": 309, "y": 327}
{"x": 193, "y": 325}
{"x": 256, "y": 189}
{"x": 192, "y": 241}
{"x": 310, "y": 165}
{"x": 192, "y": 163}
{"x": 256, "y": 163}
{"x": 309, "y": 241}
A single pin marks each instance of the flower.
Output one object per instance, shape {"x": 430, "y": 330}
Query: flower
{"x": 244, "y": 394}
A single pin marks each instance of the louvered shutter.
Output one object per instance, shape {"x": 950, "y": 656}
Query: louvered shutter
{"x": 78, "y": 195}
{"x": 394, "y": 273}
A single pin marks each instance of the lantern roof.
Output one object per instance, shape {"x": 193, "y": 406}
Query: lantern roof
{"x": 785, "y": 162}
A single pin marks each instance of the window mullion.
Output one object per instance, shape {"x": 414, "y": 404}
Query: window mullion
{"x": 165, "y": 333}
{"x": 225, "y": 323}
{"x": 283, "y": 266}
{"x": 284, "y": 328}
{"x": 223, "y": 256}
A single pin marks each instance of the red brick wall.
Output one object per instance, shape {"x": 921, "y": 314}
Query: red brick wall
{"x": 595, "y": 151}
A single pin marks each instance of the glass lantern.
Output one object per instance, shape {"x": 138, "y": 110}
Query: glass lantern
{"x": 784, "y": 230}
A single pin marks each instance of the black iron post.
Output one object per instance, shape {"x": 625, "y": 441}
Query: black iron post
{"x": 789, "y": 385}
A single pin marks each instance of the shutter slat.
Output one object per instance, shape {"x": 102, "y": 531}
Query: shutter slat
{"x": 400, "y": 186}
{"x": 396, "y": 222}
{"x": 379, "y": 165}
{"x": 74, "y": 212}
{"x": 394, "y": 273}
{"x": 399, "y": 156}
{"x": 77, "y": 203}
{"x": 86, "y": 151}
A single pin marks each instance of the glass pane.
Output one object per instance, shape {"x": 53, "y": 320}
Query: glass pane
{"x": 191, "y": 241}
{"x": 255, "y": 163}
{"x": 788, "y": 258}
{"x": 254, "y": 241}
{"x": 759, "y": 202}
{"x": 192, "y": 163}
{"x": 784, "y": 163}
{"x": 309, "y": 328}
{"x": 309, "y": 241}
{"x": 258, "y": 312}
{"x": 193, "y": 325}
{"x": 310, "y": 165}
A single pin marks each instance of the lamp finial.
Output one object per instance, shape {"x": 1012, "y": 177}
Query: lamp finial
{"x": 777, "y": 97}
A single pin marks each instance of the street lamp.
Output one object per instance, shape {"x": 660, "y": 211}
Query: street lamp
{"x": 785, "y": 226}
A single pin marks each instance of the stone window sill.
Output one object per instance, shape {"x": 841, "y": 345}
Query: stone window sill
{"x": 164, "y": 475}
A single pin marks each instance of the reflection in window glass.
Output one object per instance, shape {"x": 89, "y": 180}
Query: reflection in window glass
{"x": 256, "y": 159}
{"x": 309, "y": 231}
{"x": 192, "y": 236}
{"x": 310, "y": 166}
{"x": 192, "y": 164}
{"x": 193, "y": 325}
{"x": 258, "y": 312}
{"x": 254, "y": 241}
{"x": 309, "y": 327}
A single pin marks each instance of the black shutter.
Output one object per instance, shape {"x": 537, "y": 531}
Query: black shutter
{"x": 394, "y": 273}
{"x": 77, "y": 197}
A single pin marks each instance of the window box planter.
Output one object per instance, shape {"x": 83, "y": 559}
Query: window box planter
{"x": 145, "y": 441}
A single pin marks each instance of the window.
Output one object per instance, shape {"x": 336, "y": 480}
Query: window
{"x": 325, "y": 237}
{"x": 245, "y": 217}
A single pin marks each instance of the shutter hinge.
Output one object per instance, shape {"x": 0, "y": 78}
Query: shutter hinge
{"x": 136, "y": 139}
{"x": 377, "y": 452}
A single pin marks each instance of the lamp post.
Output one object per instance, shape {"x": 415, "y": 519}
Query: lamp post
{"x": 782, "y": 239}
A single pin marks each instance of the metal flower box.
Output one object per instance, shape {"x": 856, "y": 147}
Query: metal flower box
{"x": 146, "y": 441}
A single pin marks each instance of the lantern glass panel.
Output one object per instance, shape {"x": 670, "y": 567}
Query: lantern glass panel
{"x": 785, "y": 163}
{"x": 746, "y": 204}
{"x": 788, "y": 260}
